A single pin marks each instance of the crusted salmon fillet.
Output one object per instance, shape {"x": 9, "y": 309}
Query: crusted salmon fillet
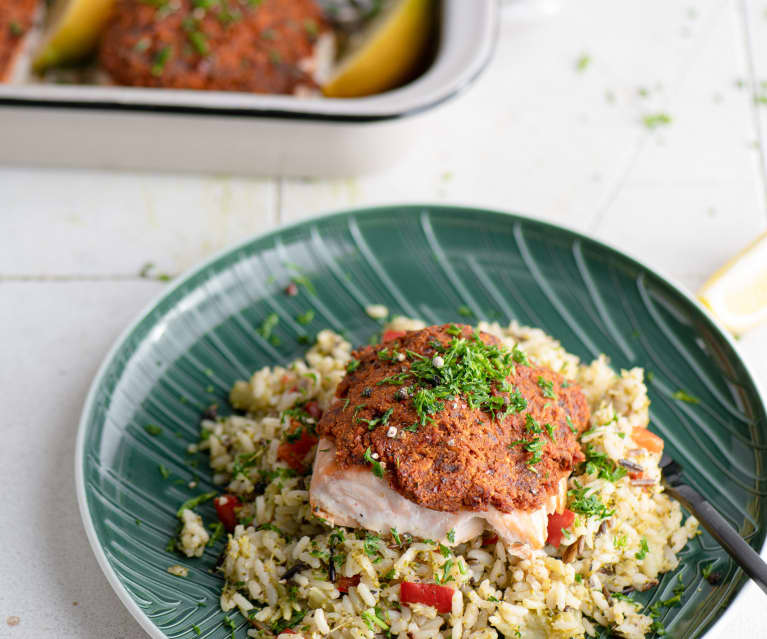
{"x": 442, "y": 434}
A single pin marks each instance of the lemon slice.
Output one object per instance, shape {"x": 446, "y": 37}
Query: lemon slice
{"x": 737, "y": 292}
{"x": 72, "y": 31}
{"x": 385, "y": 52}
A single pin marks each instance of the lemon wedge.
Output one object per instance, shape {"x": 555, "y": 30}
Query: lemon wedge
{"x": 72, "y": 31}
{"x": 385, "y": 52}
{"x": 737, "y": 293}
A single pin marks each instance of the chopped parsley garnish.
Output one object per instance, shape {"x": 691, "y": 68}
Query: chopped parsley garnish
{"x": 189, "y": 504}
{"x": 370, "y": 546}
{"x": 547, "y": 386}
{"x": 578, "y": 577}
{"x": 305, "y": 318}
{"x": 267, "y": 326}
{"x": 570, "y": 424}
{"x": 396, "y": 537}
{"x": 163, "y": 471}
{"x": 283, "y": 624}
{"x": 465, "y": 311}
{"x": 153, "y": 429}
{"x": 197, "y": 630}
{"x": 532, "y": 425}
{"x": 654, "y": 120}
{"x": 519, "y": 356}
{"x": 582, "y": 63}
{"x": 590, "y": 505}
{"x": 451, "y": 535}
{"x": 377, "y": 466}
{"x": 445, "y": 573}
{"x": 374, "y": 617}
{"x": 160, "y": 59}
{"x": 353, "y": 365}
{"x": 550, "y": 430}
{"x": 218, "y": 530}
{"x": 465, "y": 367}
{"x": 601, "y": 465}
{"x": 684, "y": 396}
{"x": 643, "y": 549}
{"x": 357, "y": 409}
{"x": 536, "y": 448}
{"x": 444, "y": 550}
{"x": 378, "y": 421}
{"x": 199, "y": 42}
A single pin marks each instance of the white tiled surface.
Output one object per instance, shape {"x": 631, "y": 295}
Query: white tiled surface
{"x": 533, "y": 136}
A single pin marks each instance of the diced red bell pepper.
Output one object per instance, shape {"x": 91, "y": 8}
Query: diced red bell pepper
{"x": 225, "y": 509}
{"x": 489, "y": 540}
{"x": 390, "y": 335}
{"x": 313, "y": 408}
{"x": 440, "y": 597}
{"x": 344, "y": 583}
{"x": 558, "y": 521}
{"x": 636, "y": 474}
{"x": 294, "y": 453}
{"x": 647, "y": 439}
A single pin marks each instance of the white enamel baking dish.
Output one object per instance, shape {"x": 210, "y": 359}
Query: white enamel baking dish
{"x": 239, "y": 133}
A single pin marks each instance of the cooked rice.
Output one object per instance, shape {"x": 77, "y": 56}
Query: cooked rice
{"x": 497, "y": 594}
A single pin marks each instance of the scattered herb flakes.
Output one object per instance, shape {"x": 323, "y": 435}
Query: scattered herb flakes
{"x": 588, "y": 505}
{"x": 535, "y": 447}
{"x": 372, "y": 618}
{"x": 311, "y": 27}
{"x": 305, "y": 318}
{"x": 218, "y": 531}
{"x": 451, "y": 535}
{"x": 643, "y": 549}
{"x": 15, "y": 28}
{"x": 547, "y": 386}
{"x": 199, "y": 41}
{"x": 654, "y": 120}
{"x": 377, "y": 466}
{"x": 153, "y": 429}
{"x": 160, "y": 60}
{"x": 465, "y": 311}
{"x": 163, "y": 471}
{"x": 570, "y": 424}
{"x": 445, "y": 577}
{"x": 684, "y": 396}
{"x": 353, "y": 365}
{"x": 197, "y": 630}
{"x": 582, "y": 63}
{"x": 192, "y": 503}
{"x": 519, "y": 356}
{"x": 532, "y": 425}
{"x": 267, "y": 326}
{"x": 395, "y": 536}
{"x": 599, "y": 464}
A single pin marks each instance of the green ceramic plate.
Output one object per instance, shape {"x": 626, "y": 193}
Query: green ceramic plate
{"x": 438, "y": 263}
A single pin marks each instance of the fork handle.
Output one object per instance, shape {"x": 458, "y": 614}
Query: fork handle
{"x": 729, "y": 538}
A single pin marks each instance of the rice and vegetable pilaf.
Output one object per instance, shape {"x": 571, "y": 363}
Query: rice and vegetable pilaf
{"x": 291, "y": 574}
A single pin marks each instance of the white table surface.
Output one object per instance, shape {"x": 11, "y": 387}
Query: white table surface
{"x": 534, "y": 135}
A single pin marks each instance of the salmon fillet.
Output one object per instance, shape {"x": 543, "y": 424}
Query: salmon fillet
{"x": 355, "y": 497}
{"x": 443, "y": 431}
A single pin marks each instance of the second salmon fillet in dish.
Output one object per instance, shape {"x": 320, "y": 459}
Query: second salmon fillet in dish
{"x": 443, "y": 433}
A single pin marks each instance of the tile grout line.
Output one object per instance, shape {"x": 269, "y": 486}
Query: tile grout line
{"x": 280, "y": 184}
{"x": 37, "y": 278}
{"x": 748, "y": 53}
